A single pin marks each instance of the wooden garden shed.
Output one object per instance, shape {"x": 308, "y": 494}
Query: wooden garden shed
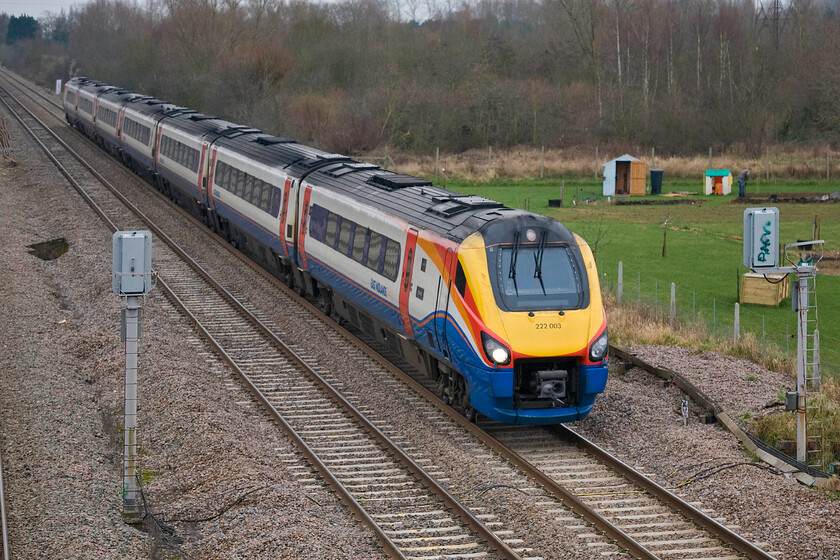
{"x": 624, "y": 175}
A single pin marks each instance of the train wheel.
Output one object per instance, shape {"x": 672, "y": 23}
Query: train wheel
{"x": 470, "y": 413}
{"x": 325, "y": 301}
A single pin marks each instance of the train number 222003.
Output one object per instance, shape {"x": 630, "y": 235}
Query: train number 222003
{"x": 548, "y": 325}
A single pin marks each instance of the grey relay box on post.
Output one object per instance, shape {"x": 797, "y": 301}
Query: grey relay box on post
{"x": 132, "y": 263}
{"x": 761, "y": 238}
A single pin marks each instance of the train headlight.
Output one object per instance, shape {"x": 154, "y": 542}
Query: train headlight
{"x": 598, "y": 349}
{"x": 495, "y": 351}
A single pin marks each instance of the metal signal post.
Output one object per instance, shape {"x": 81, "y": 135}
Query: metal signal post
{"x": 131, "y": 278}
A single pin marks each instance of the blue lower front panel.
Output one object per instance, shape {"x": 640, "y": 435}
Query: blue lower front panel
{"x": 491, "y": 393}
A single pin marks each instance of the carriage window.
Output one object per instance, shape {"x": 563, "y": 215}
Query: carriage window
{"x": 219, "y": 175}
{"x": 359, "y": 243}
{"x": 318, "y": 222}
{"x": 392, "y": 260}
{"x": 344, "y": 236}
{"x": 374, "y": 251}
{"x": 265, "y": 201}
{"x": 276, "y": 198}
{"x": 332, "y": 227}
{"x": 248, "y": 193}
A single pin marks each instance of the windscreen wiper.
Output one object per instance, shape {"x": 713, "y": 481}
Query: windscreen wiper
{"x": 538, "y": 257}
{"x": 512, "y": 271}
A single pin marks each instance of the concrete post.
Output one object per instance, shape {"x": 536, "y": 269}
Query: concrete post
{"x": 673, "y": 306}
{"x": 620, "y": 280}
{"x": 737, "y": 327}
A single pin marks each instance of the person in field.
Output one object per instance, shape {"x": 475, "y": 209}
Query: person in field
{"x": 743, "y": 177}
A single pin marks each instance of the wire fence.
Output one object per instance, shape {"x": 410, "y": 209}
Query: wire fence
{"x": 716, "y": 315}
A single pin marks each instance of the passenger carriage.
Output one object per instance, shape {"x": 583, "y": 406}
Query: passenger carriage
{"x": 109, "y": 115}
{"x": 87, "y": 96}
{"x": 138, "y": 138}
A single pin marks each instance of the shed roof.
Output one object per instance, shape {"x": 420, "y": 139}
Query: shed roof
{"x": 625, "y": 157}
{"x": 717, "y": 172}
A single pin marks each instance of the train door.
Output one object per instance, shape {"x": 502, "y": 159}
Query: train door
{"x": 286, "y": 232}
{"x": 444, "y": 286}
{"x": 405, "y": 284}
{"x": 204, "y": 173}
{"x": 120, "y": 116}
{"x": 300, "y": 228}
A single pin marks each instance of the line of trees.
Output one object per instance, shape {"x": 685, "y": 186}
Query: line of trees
{"x": 680, "y": 75}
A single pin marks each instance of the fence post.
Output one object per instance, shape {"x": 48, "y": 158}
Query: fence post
{"x": 673, "y": 306}
{"x": 620, "y": 280}
{"x": 762, "y": 334}
{"x": 737, "y": 322}
{"x": 542, "y": 165}
{"x": 596, "y": 162}
{"x": 437, "y": 161}
{"x": 489, "y": 156}
{"x": 767, "y": 164}
{"x": 787, "y": 341}
{"x": 639, "y": 284}
{"x": 714, "y": 317}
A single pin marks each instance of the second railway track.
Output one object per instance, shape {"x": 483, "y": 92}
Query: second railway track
{"x": 446, "y": 532}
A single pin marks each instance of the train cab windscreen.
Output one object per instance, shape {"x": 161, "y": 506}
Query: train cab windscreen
{"x": 538, "y": 276}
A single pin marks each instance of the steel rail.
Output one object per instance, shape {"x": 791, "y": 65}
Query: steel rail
{"x": 21, "y": 84}
{"x": 684, "y": 508}
{"x": 4, "y": 531}
{"x": 490, "y": 538}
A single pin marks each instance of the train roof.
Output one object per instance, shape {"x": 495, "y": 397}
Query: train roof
{"x": 203, "y": 126}
{"x": 149, "y": 106}
{"x": 120, "y": 96}
{"x": 94, "y": 88}
{"x": 415, "y": 200}
{"x": 277, "y": 151}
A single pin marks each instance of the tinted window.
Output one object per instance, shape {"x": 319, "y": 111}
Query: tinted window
{"x": 359, "y": 243}
{"x": 555, "y": 284}
{"x": 374, "y": 251}
{"x": 344, "y": 236}
{"x": 318, "y": 222}
{"x": 392, "y": 259}
{"x": 332, "y": 226}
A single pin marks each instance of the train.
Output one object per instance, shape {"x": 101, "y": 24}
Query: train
{"x": 500, "y": 308}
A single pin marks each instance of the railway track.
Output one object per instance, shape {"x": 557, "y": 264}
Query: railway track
{"x": 4, "y": 533}
{"x": 640, "y": 517}
{"x": 411, "y": 513}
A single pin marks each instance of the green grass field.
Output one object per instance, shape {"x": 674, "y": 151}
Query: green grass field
{"x": 703, "y": 248}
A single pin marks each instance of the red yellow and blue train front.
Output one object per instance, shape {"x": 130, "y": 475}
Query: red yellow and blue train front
{"x": 534, "y": 333}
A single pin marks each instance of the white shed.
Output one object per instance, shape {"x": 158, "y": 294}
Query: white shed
{"x": 624, "y": 175}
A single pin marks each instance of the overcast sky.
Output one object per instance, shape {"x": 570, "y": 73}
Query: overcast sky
{"x": 37, "y": 8}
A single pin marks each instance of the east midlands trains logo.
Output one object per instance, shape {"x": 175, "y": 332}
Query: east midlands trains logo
{"x": 378, "y": 288}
